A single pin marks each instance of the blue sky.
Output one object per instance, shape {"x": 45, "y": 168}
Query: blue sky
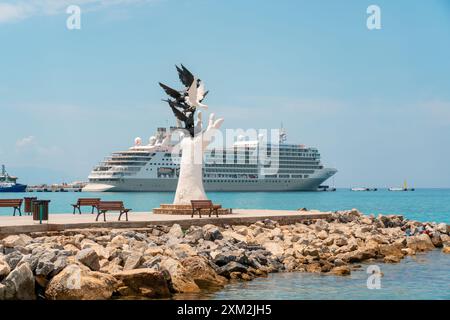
{"x": 376, "y": 103}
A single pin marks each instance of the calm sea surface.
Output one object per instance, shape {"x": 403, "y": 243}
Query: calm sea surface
{"x": 425, "y": 276}
{"x": 422, "y": 204}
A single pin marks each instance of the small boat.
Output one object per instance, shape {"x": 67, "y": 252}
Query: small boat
{"x": 326, "y": 188}
{"x": 9, "y": 183}
{"x": 364, "y": 189}
{"x": 405, "y": 188}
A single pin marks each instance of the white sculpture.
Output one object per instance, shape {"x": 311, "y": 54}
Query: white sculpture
{"x": 190, "y": 180}
{"x": 194, "y": 140}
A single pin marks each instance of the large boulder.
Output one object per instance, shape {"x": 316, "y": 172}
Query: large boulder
{"x": 193, "y": 234}
{"x": 181, "y": 281}
{"x": 102, "y": 252}
{"x": 436, "y": 239}
{"x": 391, "y": 252}
{"x": 118, "y": 241}
{"x": 343, "y": 270}
{"x": 274, "y": 247}
{"x": 420, "y": 242}
{"x": 20, "y": 240}
{"x": 133, "y": 261}
{"x": 45, "y": 263}
{"x": 176, "y": 231}
{"x": 230, "y": 234}
{"x": 89, "y": 258}
{"x": 142, "y": 283}
{"x": 4, "y": 268}
{"x": 79, "y": 283}
{"x": 230, "y": 268}
{"x": 211, "y": 232}
{"x": 183, "y": 250}
{"x": 13, "y": 259}
{"x": 442, "y": 228}
{"x": 112, "y": 266}
{"x": 19, "y": 284}
{"x": 202, "y": 273}
{"x": 222, "y": 258}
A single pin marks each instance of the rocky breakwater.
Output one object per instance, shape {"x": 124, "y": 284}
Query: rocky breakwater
{"x": 158, "y": 261}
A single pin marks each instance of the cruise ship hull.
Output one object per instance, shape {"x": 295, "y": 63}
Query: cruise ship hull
{"x": 155, "y": 185}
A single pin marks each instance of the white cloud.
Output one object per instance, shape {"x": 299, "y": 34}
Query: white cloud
{"x": 15, "y": 10}
{"x": 30, "y": 147}
{"x": 25, "y": 142}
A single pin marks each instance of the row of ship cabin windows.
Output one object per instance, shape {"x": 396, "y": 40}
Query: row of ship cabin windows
{"x": 280, "y": 176}
{"x": 252, "y": 181}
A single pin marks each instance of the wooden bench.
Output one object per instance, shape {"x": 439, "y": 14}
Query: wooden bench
{"x": 104, "y": 206}
{"x": 198, "y": 205}
{"x": 86, "y": 202}
{"x": 12, "y": 203}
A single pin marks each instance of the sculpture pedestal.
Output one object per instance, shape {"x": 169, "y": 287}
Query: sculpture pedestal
{"x": 185, "y": 209}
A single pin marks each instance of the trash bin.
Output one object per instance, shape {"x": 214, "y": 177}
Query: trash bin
{"x": 40, "y": 210}
{"x": 28, "y": 208}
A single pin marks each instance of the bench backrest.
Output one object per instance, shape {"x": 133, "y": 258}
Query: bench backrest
{"x": 110, "y": 205}
{"x": 201, "y": 204}
{"x": 88, "y": 201}
{"x": 10, "y": 202}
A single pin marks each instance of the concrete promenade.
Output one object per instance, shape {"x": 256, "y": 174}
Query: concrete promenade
{"x": 64, "y": 221}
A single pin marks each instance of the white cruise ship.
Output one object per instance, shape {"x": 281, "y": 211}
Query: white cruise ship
{"x": 153, "y": 167}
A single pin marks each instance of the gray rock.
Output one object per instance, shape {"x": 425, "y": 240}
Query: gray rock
{"x": 270, "y": 224}
{"x": 231, "y": 267}
{"x": 176, "y": 231}
{"x": 153, "y": 263}
{"x": 135, "y": 235}
{"x": 32, "y": 260}
{"x": 13, "y": 259}
{"x": 89, "y": 258}
{"x": 19, "y": 284}
{"x": 4, "y": 268}
{"x": 237, "y": 256}
{"x": 133, "y": 261}
{"x": 44, "y": 268}
{"x": 50, "y": 255}
{"x": 339, "y": 262}
{"x": 42, "y": 263}
{"x": 211, "y": 232}
{"x": 257, "y": 259}
{"x": 22, "y": 250}
{"x": 59, "y": 265}
{"x": 193, "y": 235}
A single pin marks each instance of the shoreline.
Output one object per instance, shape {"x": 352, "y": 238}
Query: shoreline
{"x": 159, "y": 261}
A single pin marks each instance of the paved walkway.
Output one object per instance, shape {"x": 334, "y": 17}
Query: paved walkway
{"x": 59, "y": 222}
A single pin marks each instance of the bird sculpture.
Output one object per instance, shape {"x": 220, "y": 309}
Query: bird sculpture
{"x": 184, "y": 103}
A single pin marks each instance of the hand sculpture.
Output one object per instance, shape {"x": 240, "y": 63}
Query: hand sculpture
{"x": 190, "y": 181}
{"x": 194, "y": 140}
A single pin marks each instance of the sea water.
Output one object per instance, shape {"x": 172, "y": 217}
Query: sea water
{"x": 422, "y": 204}
{"x": 425, "y": 276}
